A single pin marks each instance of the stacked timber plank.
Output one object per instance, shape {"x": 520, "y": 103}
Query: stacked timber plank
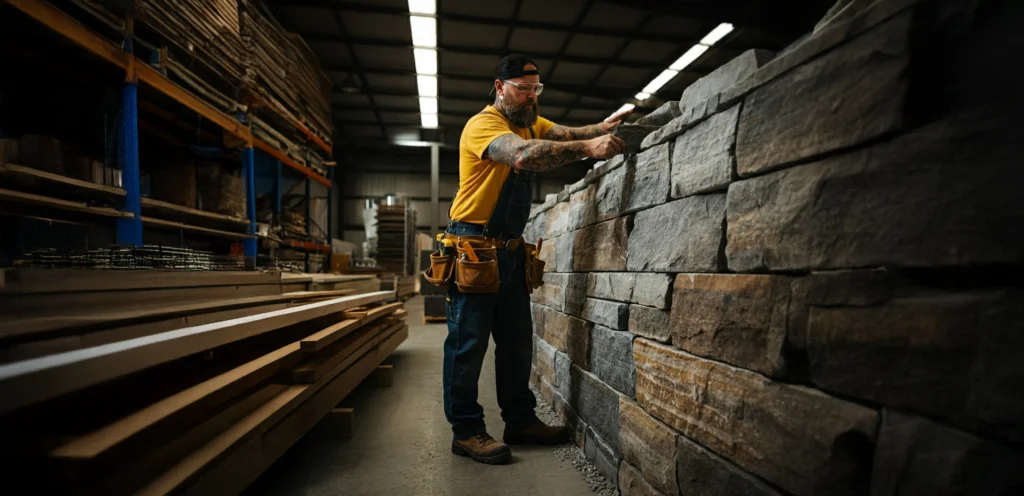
{"x": 285, "y": 69}
{"x": 241, "y": 50}
{"x": 209, "y": 29}
{"x": 396, "y": 238}
{"x": 142, "y": 404}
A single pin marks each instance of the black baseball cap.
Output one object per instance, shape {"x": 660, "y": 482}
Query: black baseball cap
{"x": 512, "y": 66}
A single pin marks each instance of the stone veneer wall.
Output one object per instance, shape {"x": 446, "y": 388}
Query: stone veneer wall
{"x": 808, "y": 280}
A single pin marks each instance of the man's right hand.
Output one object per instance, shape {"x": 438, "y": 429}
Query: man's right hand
{"x": 604, "y": 147}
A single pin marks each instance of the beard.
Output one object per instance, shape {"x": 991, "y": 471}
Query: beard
{"x": 522, "y": 116}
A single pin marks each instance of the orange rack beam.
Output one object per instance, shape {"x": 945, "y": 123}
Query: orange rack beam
{"x": 286, "y": 160}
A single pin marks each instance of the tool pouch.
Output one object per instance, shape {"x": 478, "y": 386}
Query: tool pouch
{"x": 481, "y": 276}
{"x": 534, "y": 268}
{"x": 441, "y": 269}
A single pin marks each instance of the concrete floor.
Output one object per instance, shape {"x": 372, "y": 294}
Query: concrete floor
{"x": 402, "y": 440}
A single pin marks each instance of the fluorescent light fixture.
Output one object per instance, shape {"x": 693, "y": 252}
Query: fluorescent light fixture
{"x": 628, "y": 106}
{"x": 428, "y": 105}
{"x": 426, "y": 60}
{"x": 427, "y": 85}
{"x": 692, "y": 54}
{"x": 428, "y": 120}
{"x": 423, "y": 6}
{"x": 424, "y": 31}
{"x": 717, "y": 34}
{"x": 642, "y": 96}
{"x": 662, "y": 79}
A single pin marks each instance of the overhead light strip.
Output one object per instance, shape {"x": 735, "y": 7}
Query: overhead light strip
{"x": 691, "y": 55}
{"x": 423, "y": 23}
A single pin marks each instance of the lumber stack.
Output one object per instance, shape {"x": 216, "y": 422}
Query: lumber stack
{"x": 208, "y": 29}
{"x": 138, "y": 404}
{"x": 396, "y": 238}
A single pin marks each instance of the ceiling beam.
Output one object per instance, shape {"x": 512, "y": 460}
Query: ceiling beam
{"x": 797, "y": 18}
{"x": 359, "y": 69}
{"x": 703, "y": 14}
{"x": 605, "y": 92}
{"x": 470, "y": 97}
{"x": 556, "y": 57}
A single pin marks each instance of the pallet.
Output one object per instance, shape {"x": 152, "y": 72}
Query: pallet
{"x": 434, "y": 319}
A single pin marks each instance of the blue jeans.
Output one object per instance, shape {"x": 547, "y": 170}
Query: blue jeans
{"x": 472, "y": 318}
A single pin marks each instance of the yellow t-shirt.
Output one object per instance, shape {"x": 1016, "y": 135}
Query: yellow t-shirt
{"x": 481, "y": 179}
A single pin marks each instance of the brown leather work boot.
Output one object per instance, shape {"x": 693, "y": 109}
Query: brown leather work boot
{"x": 537, "y": 433}
{"x": 482, "y": 448}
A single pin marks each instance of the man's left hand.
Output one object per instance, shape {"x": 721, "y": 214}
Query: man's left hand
{"x": 609, "y": 124}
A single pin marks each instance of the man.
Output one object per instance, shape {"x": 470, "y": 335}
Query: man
{"x": 500, "y": 150}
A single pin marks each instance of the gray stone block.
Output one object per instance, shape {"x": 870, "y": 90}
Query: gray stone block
{"x": 598, "y": 405}
{"x": 810, "y": 111}
{"x": 558, "y": 220}
{"x": 568, "y": 334}
{"x": 607, "y": 313}
{"x": 563, "y": 374}
{"x": 662, "y": 115}
{"x": 915, "y": 455}
{"x": 676, "y": 127}
{"x": 604, "y": 457}
{"x": 632, "y": 482}
{"x": 583, "y": 208}
{"x": 962, "y": 365}
{"x": 549, "y": 252}
{"x": 615, "y": 286}
{"x": 680, "y": 236}
{"x": 796, "y": 438}
{"x": 537, "y": 312}
{"x": 815, "y": 216}
{"x": 650, "y": 322}
{"x": 603, "y": 246}
{"x": 653, "y": 290}
{"x": 649, "y": 445}
{"x": 651, "y": 178}
{"x": 739, "y": 319}
{"x": 563, "y": 252}
{"x": 721, "y": 79}
{"x": 633, "y": 135}
{"x": 702, "y": 158}
{"x": 702, "y": 472}
{"x": 563, "y": 292}
{"x": 854, "y": 288}
{"x": 611, "y": 359}
{"x": 613, "y": 191}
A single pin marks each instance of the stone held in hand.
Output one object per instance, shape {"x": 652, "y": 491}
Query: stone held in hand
{"x": 633, "y": 135}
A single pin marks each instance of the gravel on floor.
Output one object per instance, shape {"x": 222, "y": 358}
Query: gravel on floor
{"x": 573, "y": 454}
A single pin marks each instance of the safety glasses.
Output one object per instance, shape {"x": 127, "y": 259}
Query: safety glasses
{"x": 536, "y": 88}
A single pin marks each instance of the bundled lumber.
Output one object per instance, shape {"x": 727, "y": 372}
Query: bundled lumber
{"x": 197, "y": 410}
{"x": 396, "y": 238}
{"x": 208, "y": 29}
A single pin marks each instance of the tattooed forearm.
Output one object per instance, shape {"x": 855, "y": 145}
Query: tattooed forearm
{"x": 562, "y": 133}
{"x": 534, "y": 155}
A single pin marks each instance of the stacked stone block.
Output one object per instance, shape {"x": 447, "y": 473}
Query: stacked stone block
{"x": 806, "y": 281}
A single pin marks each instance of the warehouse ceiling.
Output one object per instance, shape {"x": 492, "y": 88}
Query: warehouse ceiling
{"x": 594, "y": 55}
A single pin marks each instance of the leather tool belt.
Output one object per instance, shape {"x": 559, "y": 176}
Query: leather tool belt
{"x": 473, "y": 263}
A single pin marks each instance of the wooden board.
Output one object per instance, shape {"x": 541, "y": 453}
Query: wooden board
{"x": 33, "y": 280}
{"x": 341, "y": 353}
{"x": 29, "y": 172}
{"x": 186, "y": 212}
{"x": 228, "y": 464}
{"x": 40, "y": 327}
{"x": 70, "y": 206}
{"x": 322, "y": 339}
{"x": 165, "y": 414}
{"x": 31, "y": 381}
{"x": 169, "y": 224}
